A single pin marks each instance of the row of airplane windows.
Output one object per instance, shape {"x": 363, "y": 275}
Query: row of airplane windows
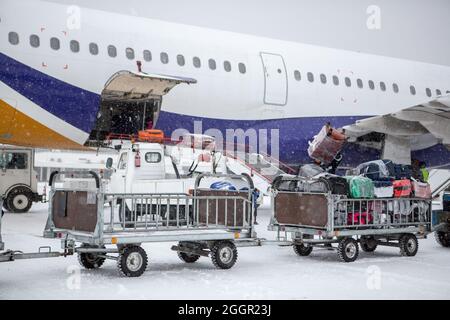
{"x": 360, "y": 83}
{"x": 55, "y": 44}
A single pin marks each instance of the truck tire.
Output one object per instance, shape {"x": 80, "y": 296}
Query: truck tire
{"x": 224, "y": 254}
{"x": 302, "y": 250}
{"x": 132, "y": 261}
{"x": 90, "y": 260}
{"x": 128, "y": 216}
{"x": 443, "y": 238}
{"x": 19, "y": 200}
{"x": 188, "y": 257}
{"x": 348, "y": 250}
{"x": 368, "y": 244}
{"x": 408, "y": 245}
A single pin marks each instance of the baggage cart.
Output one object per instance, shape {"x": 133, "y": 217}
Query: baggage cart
{"x": 2, "y": 245}
{"x": 336, "y": 222}
{"x": 114, "y": 226}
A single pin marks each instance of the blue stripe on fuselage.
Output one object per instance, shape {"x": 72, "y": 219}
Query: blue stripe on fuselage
{"x": 72, "y": 104}
{"x": 294, "y": 135}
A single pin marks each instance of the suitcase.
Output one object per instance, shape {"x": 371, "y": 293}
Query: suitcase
{"x": 336, "y": 184}
{"x": 326, "y": 145}
{"x": 402, "y": 188}
{"x": 310, "y": 170}
{"x": 383, "y": 189}
{"x": 377, "y": 170}
{"x": 421, "y": 190}
{"x": 154, "y": 136}
{"x": 356, "y": 218}
{"x": 361, "y": 187}
{"x": 402, "y": 172}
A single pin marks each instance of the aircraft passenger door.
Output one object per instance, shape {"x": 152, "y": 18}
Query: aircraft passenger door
{"x": 276, "y": 83}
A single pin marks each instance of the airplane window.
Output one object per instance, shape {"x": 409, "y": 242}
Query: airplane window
{"x": 147, "y": 55}
{"x": 413, "y": 90}
{"x": 323, "y": 78}
{"x": 336, "y": 80}
{"x": 395, "y": 88}
{"x": 371, "y": 85}
{"x": 180, "y": 59}
{"x": 438, "y": 92}
{"x": 164, "y": 58}
{"x": 297, "y": 75}
{"x": 242, "y": 68}
{"x": 360, "y": 83}
{"x": 112, "y": 51}
{"x": 93, "y": 48}
{"x": 348, "y": 82}
{"x": 197, "y": 62}
{"x": 310, "y": 77}
{"x": 13, "y": 38}
{"x": 382, "y": 86}
{"x": 74, "y": 46}
{"x": 212, "y": 64}
{"x": 55, "y": 44}
{"x": 129, "y": 52}
{"x": 227, "y": 66}
{"x": 34, "y": 41}
{"x": 428, "y": 90}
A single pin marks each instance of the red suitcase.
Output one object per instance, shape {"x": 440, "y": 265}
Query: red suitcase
{"x": 357, "y": 218}
{"x": 402, "y": 188}
{"x": 326, "y": 145}
{"x": 421, "y": 190}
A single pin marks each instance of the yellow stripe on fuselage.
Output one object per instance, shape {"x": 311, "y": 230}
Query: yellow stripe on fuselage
{"x": 16, "y": 128}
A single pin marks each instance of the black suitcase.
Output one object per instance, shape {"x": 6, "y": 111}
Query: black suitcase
{"x": 336, "y": 184}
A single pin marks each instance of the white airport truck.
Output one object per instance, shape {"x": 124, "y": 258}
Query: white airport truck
{"x": 18, "y": 179}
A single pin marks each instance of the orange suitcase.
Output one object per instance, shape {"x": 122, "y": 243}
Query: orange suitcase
{"x": 155, "y": 136}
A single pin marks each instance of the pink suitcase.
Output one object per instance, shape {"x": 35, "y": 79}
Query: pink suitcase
{"x": 421, "y": 189}
{"x": 326, "y": 145}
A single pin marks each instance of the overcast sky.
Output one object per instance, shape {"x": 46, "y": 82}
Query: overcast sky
{"x": 409, "y": 29}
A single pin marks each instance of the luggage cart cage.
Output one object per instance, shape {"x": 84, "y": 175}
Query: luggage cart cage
{"x": 85, "y": 213}
{"x": 330, "y": 215}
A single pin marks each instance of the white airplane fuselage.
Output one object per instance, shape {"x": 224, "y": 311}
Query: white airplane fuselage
{"x": 57, "y": 93}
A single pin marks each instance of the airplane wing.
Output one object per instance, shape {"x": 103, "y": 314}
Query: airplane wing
{"x": 423, "y": 125}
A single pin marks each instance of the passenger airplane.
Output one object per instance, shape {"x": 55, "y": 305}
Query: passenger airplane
{"x": 60, "y": 85}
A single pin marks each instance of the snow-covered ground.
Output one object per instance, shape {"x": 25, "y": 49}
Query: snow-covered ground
{"x": 261, "y": 273}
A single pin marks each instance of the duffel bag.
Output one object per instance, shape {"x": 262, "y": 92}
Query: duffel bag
{"x": 402, "y": 188}
{"x": 361, "y": 187}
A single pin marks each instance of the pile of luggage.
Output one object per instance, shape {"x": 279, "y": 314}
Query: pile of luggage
{"x": 392, "y": 180}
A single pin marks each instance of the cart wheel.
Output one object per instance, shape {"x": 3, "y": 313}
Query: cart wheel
{"x": 188, "y": 258}
{"x": 132, "y": 261}
{"x": 408, "y": 245}
{"x": 442, "y": 238}
{"x": 90, "y": 260}
{"x": 224, "y": 254}
{"x": 368, "y": 244}
{"x": 348, "y": 250}
{"x": 302, "y": 250}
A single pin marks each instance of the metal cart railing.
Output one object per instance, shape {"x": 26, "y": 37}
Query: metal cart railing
{"x": 2, "y": 245}
{"x": 204, "y": 222}
{"x": 322, "y": 219}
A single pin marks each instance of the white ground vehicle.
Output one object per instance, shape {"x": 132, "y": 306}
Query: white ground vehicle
{"x": 18, "y": 182}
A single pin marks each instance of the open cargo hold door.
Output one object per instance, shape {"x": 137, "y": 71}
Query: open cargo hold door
{"x": 131, "y": 102}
